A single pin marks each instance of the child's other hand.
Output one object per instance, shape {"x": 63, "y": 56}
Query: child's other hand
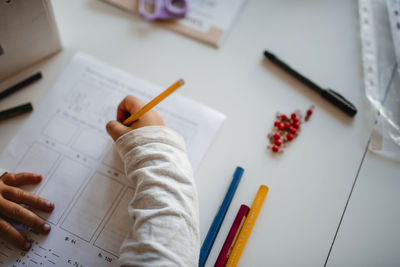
{"x": 10, "y": 198}
{"x": 127, "y": 107}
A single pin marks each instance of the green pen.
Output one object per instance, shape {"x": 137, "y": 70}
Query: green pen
{"x": 15, "y": 111}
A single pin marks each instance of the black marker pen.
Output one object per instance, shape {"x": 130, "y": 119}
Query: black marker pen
{"x": 330, "y": 95}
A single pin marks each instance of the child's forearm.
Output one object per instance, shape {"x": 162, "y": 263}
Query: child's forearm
{"x": 164, "y": 209}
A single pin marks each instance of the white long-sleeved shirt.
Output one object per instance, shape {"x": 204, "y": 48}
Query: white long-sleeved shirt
{"x": 164, "y": 209}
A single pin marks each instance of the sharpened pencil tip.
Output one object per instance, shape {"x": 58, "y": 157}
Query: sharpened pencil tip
{"x": 181, "y": 81}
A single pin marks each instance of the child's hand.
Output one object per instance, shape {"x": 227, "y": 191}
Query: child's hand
{"x": 127, "y": 107}
{"x": 10, "y": 198}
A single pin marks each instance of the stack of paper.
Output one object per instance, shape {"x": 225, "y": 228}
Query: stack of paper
{"x": 206, "y": 20}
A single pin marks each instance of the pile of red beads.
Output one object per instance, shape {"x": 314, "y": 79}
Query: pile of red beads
{"x": 286, "y": 129}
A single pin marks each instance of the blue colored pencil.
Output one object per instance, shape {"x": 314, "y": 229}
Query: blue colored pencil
{"x": 219, "y": 218}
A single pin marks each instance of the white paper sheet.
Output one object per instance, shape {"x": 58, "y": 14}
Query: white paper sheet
{"x": 65, "y": 140}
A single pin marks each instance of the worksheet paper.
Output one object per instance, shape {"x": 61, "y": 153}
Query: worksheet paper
{"x": 206, "y": 20}
{"x": 65, "y": 140}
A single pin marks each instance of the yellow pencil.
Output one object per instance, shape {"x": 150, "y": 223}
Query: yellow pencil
{"x": 247, "y": 226}
{"x": 134, "y": 117}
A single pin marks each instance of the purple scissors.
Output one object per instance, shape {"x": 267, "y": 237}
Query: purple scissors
{"x": 163, "y": 9}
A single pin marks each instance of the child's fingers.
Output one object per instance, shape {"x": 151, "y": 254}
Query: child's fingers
{"x": 11, "y": 235}
{"x": 116, "y": 129}
{"x": 20, "y": 214}
{"x": 128, "y": 106}
{"x": 22, "y": 178}
{"x": 20, "y": 196}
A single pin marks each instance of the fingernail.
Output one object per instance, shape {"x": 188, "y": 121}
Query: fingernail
{"x": 49, "y": 205}
{"x": 38, "y": 176}
{"x": 46, "y": 227}
{"x": 27, "y": 245}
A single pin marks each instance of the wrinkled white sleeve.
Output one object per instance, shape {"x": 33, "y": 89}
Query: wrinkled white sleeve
{"x": 164, "y": 209}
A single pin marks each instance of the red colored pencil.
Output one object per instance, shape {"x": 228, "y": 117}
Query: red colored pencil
{"x": 232, "y": 235}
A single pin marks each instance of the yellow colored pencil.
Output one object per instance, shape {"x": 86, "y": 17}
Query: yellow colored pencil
{"x": 247, "y": 226}
{"x": 134, "y": 117}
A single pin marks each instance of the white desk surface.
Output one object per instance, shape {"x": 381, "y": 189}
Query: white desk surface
{"x": 311, "y": 182}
